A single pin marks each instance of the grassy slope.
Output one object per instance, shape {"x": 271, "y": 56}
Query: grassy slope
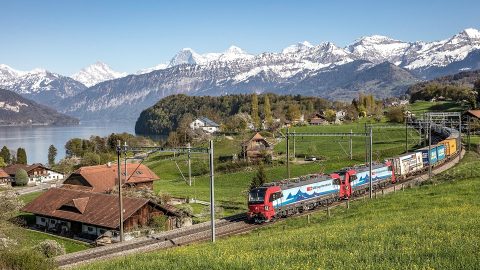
{"x": 430, "y": 227}
{"x": 230, "y": 188}
{"x": 420, "y": 107}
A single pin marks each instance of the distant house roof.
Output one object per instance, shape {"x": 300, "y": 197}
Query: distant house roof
{"x": 3, "y": 174}
{"x": 258, "y": 137}
{"x": 474, "y": 113}
{"x": 208, "y": 122}
{"x": 87, "y": 207}
{"x": 12, "y": 169}
{"x": 103, "y": 178}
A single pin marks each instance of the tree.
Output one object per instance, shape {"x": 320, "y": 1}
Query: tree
{"x": 396, "y": 114}
{"x": 52, "y": 154}
{"x": 21, "y": 156}
{"x": 5, "y": 154}
{"x": 2, "y": 162}
{"x": 476, "y": 88}
{"x": 260, "y": 177}
{"x": 73, "y": 147}
{"x": 172, "y": 139}
{"x": 254, "y": 111}
{"x": 330, "y": 115}
{"x": 293, "y": 112}
{"x": 90, "y": 159}
{"x": 21, "y": 177}
{"x": 267, "y": 110}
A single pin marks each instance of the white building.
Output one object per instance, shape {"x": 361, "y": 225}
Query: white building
{"x": 205, "y": 124}
{"x": 37, "y": 173}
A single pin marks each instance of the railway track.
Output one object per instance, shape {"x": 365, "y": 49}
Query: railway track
{"x": 224, "y": 227}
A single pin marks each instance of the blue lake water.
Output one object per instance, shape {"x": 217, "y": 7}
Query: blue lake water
{"x": 37, "y": 139}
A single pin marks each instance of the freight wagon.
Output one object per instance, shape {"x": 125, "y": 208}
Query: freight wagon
{"x": 407, "y": 164}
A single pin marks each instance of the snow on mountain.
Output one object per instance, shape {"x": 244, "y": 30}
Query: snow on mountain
{"x": 189, "y": 56}
{"x": 150, "y": 69}
{"x": 9, "y": 74}
{"x": 378, "y": 49}
{"x": 297, "y": 48}
{"x": 97, "y": 73}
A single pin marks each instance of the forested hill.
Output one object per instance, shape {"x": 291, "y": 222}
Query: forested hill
{"x": 17, "y": 110}
{"x": 179, "y": 110}
{"x": 461, "y": 86}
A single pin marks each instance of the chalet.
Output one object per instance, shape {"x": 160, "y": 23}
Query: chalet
{"x": 340, "y": 116}
{"x": 205, "y": 124}
{"x": 87, "y": 215}
{"x": 37, "y": 173}
{"x": 103, "y": 178}
{"x": 5, "y": 178}
{"x": 256, "y": 147}
{"x": 317, "y": 119}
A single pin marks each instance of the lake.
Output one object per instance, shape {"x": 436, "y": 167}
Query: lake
{"x": 37, "y": 139}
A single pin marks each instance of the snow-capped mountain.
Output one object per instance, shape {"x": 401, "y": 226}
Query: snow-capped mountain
{"x": 39, "y": 84}
{"x": 97, "y": 73}
{"x": 150, "y": 69}
{"x": 375, "y": 64}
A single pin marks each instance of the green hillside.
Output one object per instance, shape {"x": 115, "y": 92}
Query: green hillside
{"x": 428, "y": 227}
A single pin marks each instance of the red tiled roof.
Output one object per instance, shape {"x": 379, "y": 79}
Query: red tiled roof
{"x": 475, "y": 113}
{"x": 93, "y": 208}
{"x": 103, "y": 178}
{"x": 3, "y": 174}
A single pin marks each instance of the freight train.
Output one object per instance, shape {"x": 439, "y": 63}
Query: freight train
{"x": 284, "y": 198}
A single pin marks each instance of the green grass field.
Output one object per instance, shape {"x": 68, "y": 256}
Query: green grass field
{"x": 420, "y": 107}
{"x": 231, "y": 188}
{"x": 428, "y": 227}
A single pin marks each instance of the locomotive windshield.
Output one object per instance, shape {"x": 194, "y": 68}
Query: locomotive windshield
{"x": 256, "y": 196}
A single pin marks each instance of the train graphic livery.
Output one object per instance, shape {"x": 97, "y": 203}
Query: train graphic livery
{"x": 288, "y": 197}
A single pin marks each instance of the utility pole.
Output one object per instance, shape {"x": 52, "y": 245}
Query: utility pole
{"x": 294, "y": 156}
{"x": 120, "y": 201}
{"x": 406, "y": 135}
{"x": 212, "y": 193}
{"x": 460, "y": 134}
{"x": 351, "y": 145}
{"x": 366, "y": 144}
{"x": 468, "y": 131}
{"x": 288, "y": 155}
{"x": 429, "y": 149}
{"x": 189, "y": 165}
{"x": 371, "y": 161}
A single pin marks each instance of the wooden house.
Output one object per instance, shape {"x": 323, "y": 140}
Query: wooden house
{"x": 37, "y": 173}
{"x": 87, "y": 215}
{"x": 5, "y": 178}
{"x": 103, "y": 178}
{"x": 256, "y": 148}
{"x": 317, "y": 119}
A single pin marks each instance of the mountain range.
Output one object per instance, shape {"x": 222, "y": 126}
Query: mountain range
{"x": 373, "y": 64}
{"x": 17, "y": 110}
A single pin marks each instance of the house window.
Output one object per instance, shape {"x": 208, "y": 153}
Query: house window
{"x": 42, "y": 220}
{"x": 102, "y": 231}
{"x": 90, "y": 229}
{"x": 52, "y": 221}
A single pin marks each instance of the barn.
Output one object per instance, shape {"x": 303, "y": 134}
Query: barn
{"x": 87, "y": 215}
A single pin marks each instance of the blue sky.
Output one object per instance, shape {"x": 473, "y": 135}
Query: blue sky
{"x": 64, "y": 36}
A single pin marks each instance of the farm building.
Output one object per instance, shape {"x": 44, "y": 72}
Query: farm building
{"x": 317, "y": 119}
{"x": 103, "y": 178}
{"x": 5, "y": 178}
{"x": 37, "y": 173}
{"x": 205, "y": 124}
{"x": 87, "y": 215}
{"x": 257, "y": 147}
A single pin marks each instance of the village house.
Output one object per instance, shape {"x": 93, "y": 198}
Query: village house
{"x": 5, "y": 178}
{"x": 317, "y": 119}
{"x": 340, "y": 116}
{"x": 88, "y": 215}
{"x": 205, "y": 124}
{"x": 103, "y": 178}
{"x": 256, "y": 148}
{"x": 37, "y": 173}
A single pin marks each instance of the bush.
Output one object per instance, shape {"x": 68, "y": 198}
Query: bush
{"x": 24, "y": 259}
{"x": 90, "y": 159}
{"x": 231, "y": 166}
{"x": 21, "y": 177}
{"x": 396, "y": 115}
{"x": 199, "y": 168}
{"x": 50, "y": 248}
{"x": 159, "y": 222}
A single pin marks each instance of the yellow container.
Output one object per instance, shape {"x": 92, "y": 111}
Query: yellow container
{"x": 450, "y": 146}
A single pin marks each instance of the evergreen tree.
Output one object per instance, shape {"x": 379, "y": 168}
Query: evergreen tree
{"x": 254, "y": 112}
{"x": 260, "y": 177}
{"x": 21, "y": 156}
{"x": 5, "y": 154}
{"x": 2, "y": 162}
{"x": 267, "y": 110}
{"x": 52, "y": 154}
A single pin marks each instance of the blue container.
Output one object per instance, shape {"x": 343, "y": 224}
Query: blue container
{"x": 433, "y": 154}
{"x": 440, "y": 152}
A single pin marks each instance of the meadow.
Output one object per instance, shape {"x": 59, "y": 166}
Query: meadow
{"x": 433, "y": 226}
{"x": 231, "y": 188}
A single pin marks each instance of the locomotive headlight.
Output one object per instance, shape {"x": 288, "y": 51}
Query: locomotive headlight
{"x": 266, "y": 207}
